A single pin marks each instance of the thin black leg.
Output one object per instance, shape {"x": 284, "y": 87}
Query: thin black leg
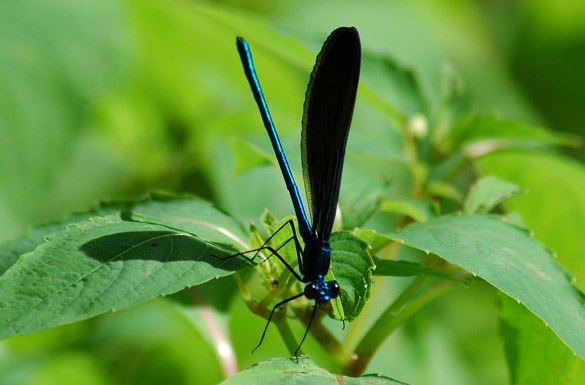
{"x": 273, "y": 251}
{"x": 306, "y": 332}
{"x": 270, "y": 318}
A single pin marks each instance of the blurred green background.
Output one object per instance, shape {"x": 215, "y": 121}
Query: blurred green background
{"x": 110, "y": 99}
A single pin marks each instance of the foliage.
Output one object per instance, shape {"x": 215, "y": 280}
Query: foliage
{"x": 438, "y": 202}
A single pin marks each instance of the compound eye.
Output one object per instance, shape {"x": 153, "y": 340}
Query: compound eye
{"x": 310, "y": 291}
{"x": 333, "y": 289}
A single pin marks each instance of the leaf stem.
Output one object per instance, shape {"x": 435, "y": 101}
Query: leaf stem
{"x": 396, "y": 314}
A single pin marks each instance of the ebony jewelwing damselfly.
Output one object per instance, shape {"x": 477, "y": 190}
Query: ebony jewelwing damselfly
{"x": 328, "y": 109}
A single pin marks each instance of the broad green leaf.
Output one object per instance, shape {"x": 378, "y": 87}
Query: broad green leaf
{"x": 11, "y": 250}
{"x": 487, "y": 193}
{"x": 534, "y": 353}
{"x": 512, "y": 261}
{"x": 486, "y": 133}
{"x": 390, "y": 268}
{"x": 183, "y": 210}
{"x": 554, "y": 205}
{"x": 305, "y": 371}
{"x": 109, "y": 264}
{"x": 352, "y": 266}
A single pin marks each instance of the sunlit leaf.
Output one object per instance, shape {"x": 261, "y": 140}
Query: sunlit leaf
{"x": 109, "y": 263}
{"x": 554, "y": 204}
{"x": 419, "y": 210}
{"x": 287, "y": 370}
{"x": 390, "y": 268}
{"x": 487, "y": 193}
{"x": 512, "y": 261}
{"x": 173, "y": 207}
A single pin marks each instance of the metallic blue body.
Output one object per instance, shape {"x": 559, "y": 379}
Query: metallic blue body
{"x": 246, "y": 56}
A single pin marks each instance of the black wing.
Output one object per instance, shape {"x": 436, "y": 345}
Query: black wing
{"x": 328, "y": 109}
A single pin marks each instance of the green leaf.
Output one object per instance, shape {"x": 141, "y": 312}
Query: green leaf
{"x": 11, "y": 250}
{"x": 515, "y": 219}
{"x": 352, "y": 266}
{"x": 512, "y": 261}
{"x": 248, "y": 156}
{"x": 376, "y": 240}
{"x": 175, "y": 208}
{"x": 487, "y": 193}
{"x": 486, "y": 133}
{"x": 444, "y": 190}
{"x": 109, "y": 264}
{"x": 553, "y": 207}
{"x": 391, "y": 88}
{"x": 534, "y": 353}
{"x": 287, "y": 370}
{"x": 337, "y": 312}
{"x": 417, "y": 209}
{"x": 390, "y": 268}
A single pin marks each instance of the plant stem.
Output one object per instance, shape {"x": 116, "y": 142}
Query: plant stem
{"x": 242, "y": 286}
{"x": 286, "y": 334}
{"x": 223, "y": 347}
{"x": 391, "y": 319}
